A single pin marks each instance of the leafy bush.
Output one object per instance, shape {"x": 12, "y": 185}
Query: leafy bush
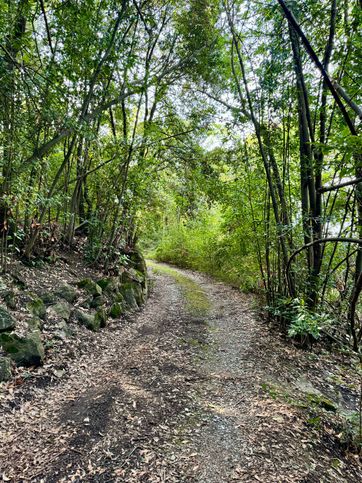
{"x": 303, "y": 323}
{"x": 203, "y": 245}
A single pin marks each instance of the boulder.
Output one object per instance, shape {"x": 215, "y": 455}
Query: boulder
{"x": 67, "y": 292}
{"x": 97, "y": 301}
{"x": 7, "y": 322}
{"x": 112, "y": 286}
{"x": 25, "y": 351}
{"x": 34, "y": 323}
{"x": 59, "y": 310}
{"x": 101, "y": 317}
{"x": 138, "y": 261}
{"x": 128, "y": 295}
{"x": 10, "y": 299}
{"x": 116, "y": 310}
{"x": 37, "y": 307}
{"x": 132, "y": 275}
{"x": 48, "y": 298}
{"x": 104, "y": 282}
{"x": 5, "y": 369}
{"x": 90, "y": 286}
{"x": 88, "y": 320}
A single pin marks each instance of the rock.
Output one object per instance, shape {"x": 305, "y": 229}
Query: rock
{"x": 132, "y": 275}
{"x": 48, "y": 298}
{"x": 34, "y": 323}
{"x": 63, "y": 330}
{"x": 88, "y": 320}
{"x": 116, "y": 310}
{"x": 139, "y": 294}
{"x": 25, "y": 351}
{"x": 7, "y": 322}
{"x": 16, "y": 274}
{"x": 37, "y": 307}
{"x": 322, "y": 401}
{"x": 3, "y": 288}
{"x": 5, "y": 369}
{"x": 118, "y": 297}
{"x": 60, "y": 309}
{"x": 90, "y": 286}
{"x": 307, "y": 387}
{"x": 314, "y": 395}
{"x": 112, "y": 286}
{"x": 86, "y": 304}
{"x": 104, "y": 282}
{"x": 97, "y": 302}
{"x": 127, "y": 292}
{"x": 101, "y": 317}
{"x": 67, "y": 292}
{"x": 138, "y": 261}
{"x": 10, "y": 299}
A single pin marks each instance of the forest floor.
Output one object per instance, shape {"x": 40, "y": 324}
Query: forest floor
{"x": 195, "y": 387}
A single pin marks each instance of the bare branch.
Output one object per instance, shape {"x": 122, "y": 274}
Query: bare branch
{"x": 334, "y": 187}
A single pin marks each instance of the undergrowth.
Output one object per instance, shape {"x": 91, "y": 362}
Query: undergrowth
{"x": 202, "y": 244}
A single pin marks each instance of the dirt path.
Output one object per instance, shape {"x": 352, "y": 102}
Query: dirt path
{"x": 193, "y": 388}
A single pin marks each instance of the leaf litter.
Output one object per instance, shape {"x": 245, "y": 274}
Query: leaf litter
{"x": 171, "y": 395}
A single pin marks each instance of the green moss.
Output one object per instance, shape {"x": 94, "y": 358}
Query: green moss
{"x": 116, "y": 310}
{"x": 90, "y": 286}
{"x": 101, "y": 318}
{"x": 37, "y": 307}
{"x": 322, "y": 402}
{"x": 197, "y": 302}
{"x": 25, "y": 351}
{"x": 88, "y": 320}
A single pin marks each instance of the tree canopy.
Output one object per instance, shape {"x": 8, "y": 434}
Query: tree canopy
{"x": 219, "y": 135}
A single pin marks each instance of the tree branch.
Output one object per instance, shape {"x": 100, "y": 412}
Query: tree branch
{"x": 346, "y": 97}
{"x": 334, "y": 187}
{"x": 292, "y": 20}
{"x": 322, "y": 240}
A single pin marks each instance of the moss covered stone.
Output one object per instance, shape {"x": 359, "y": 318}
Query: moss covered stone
{"x": 90, "y": 286}
{"x": 5, "y": 369}
{"x": 104, "y": 282}
{"x": 60, "y": 310}
{"x": 10, "y": 299}
{"x": 138, "y": 261}
{"x": 7, "y": 322}
{"x": 101, "y": 317}
{"x": 67, "y": 292}
{"x": 97, "y": 301}
{"x": 132, "y": 275}
{"x": 127, "y": 292}
{"x": 116, "y": 310}
{"x": 48, "y": 298}
{"x": 139, "y": 294}
{"x": 112, "y": 286}
{"x": 37, "y": 307}
{"x": 25, "y": 351}
{"x": 88, "y": 320}
{"x": 34, "y": 323}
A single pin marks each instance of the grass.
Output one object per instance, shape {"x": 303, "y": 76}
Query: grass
{"x": 197, "y": 302}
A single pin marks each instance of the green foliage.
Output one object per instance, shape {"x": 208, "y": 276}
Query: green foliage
{"x": 176, "y": 125}
{"x": 351, "y": 435}
{"x": 201, "y": 244}
{"x": 302, "y": 321}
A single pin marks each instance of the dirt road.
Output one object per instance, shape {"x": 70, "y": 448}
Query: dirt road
{"x": 193, "y": 388}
